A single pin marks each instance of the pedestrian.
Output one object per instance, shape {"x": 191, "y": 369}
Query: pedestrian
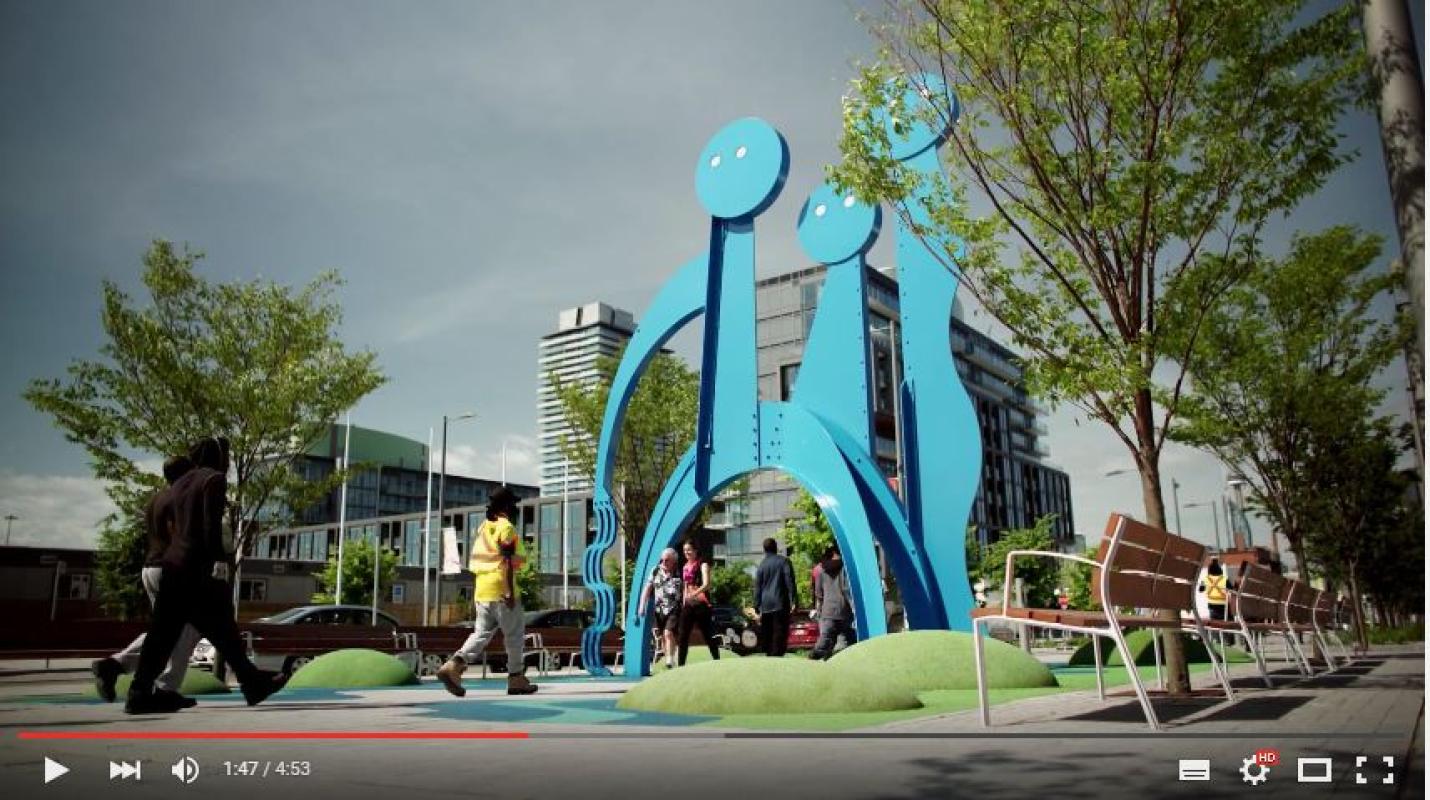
{"x": 107, "y": 670}
{"x": 831, "y": 603}
{"x": 774, "y": 599}
{"x": 1214, "y": 584}
{"x": 665, "y": 587}
{"x": 194, "y": 583}
{"x": 695, "y": 605}
{"x": 497, "y": 554}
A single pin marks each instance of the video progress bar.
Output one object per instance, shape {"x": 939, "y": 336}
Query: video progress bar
{"x": 194, "y": 736}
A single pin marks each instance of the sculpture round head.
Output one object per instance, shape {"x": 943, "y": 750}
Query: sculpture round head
{"x": 833, "y": 227}
{"x": 913, "y": 130}
{"x": 742, "y": 169}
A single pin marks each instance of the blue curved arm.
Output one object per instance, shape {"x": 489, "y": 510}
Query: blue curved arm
{"x": 679, "y": 301}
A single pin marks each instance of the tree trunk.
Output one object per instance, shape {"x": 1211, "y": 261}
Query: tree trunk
{"x": 1178, "y": 680}
{"x": 1358, "y": 614}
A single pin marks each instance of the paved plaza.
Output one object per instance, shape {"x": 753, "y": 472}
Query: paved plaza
{"x": 580, "y": 745}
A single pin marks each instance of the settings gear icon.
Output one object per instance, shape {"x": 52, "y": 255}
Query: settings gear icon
{"x": 1252, "y": 772}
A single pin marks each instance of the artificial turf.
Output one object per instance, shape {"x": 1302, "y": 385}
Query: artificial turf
{"x": 353, "y": 669}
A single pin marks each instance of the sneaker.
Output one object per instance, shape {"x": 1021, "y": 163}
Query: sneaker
{"x": 151, "y": 703}
{"x": 178, "y": 699}
{"x": 263, "y": 686}
{"x": 450, "y": 674}
{"x": 106, "y": 672}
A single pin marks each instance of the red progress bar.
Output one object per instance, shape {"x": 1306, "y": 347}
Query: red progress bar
{"x": 234, "y": 735}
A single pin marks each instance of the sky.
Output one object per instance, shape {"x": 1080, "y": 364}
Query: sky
{"x": 470, "y": 169}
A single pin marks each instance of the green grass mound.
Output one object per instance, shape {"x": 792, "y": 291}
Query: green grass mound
{"x": 886, "y": 673}
{"x": 352, "y": 669}
{"x": 1140, "y": 643}
{"x": 196, "y": 682}
{"x": 922, "y": 661}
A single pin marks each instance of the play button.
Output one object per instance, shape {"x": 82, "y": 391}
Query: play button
{"x": 54, "y": 769}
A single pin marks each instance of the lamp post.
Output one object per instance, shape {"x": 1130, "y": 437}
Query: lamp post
{"x": 343, "y": 506}
{"x": 442, "y": 508}
{"x": 1176, "y": 508}
{"x": 427, "y": 537}
{"x": 1216, "y": 521}
{"x": 377, "y": 548}
{"x": 9, "y": 520}
{"x": 1238, "y": 502}
{"x": 565, "y": 497}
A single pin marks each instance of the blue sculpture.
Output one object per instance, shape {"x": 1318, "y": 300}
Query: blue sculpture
{"x": 823, "y": 436}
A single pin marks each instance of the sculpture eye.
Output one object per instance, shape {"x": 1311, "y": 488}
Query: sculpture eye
{"x": 714, "y": 161}
{"x": 819, "y": 210}
{"x": 740, "y": 152}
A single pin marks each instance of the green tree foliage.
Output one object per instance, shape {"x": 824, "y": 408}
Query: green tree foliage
{"x": 1040, "y": 575}
{"x": 357, "y": 575}
{"x": 1361, "y": 515}
{"x": 1078, "y": 580}
{"x": 732, "y": 585}
{"x": 123, "y": 544}
{"x": 528, "y": 581}
{"x": 807, "y": 534}
{"x": 659, "y": 427}
{"x": 1284, "y": 364}
{"x": 255, "y": 361}
{"x": 1120, "y": 145}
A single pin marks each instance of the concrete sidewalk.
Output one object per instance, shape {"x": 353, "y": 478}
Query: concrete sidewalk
{"x": 1065, "y": 745}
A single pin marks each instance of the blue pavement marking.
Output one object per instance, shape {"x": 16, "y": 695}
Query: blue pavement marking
{"x": 557, "y": 710}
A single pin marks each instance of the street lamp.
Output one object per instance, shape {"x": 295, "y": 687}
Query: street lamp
{"x": 9, "y": 520}
{"x": 1216, "y": 519}
{"x": 442, "y": 507}
{"x": 1176, "y": 507}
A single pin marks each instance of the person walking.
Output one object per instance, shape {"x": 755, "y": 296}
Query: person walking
{"x": 194, "y": 584}
{"x": 1214, "y": 584}
{"x": 497, "y": 554}
{"x": 665, "y": 586}
{"x": 107, "y": 670}
{"x": 831, "y": 603}
{"x": 695, "y": 605}
{"x": 774, "y": 599}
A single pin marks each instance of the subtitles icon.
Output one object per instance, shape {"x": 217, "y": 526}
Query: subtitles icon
{"x": 185, "y": 769}
{"x": 1194, "y": 769}
{"x": 1313, "y": 770}
{"x": 125, "y": 770}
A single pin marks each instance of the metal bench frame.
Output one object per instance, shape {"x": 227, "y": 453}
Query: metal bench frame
{"x": 1180, "y": 571}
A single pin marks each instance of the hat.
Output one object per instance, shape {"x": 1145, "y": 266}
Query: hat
{"x": 503, "y": 499}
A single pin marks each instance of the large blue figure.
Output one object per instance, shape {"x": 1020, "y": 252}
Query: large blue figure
{"x": 823, "y": 436}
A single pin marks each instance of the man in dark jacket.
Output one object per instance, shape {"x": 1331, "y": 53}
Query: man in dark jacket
{"x": 831, "y": 602}
{"x": 194, "y": 587}
{"x": 106, "y": 671}
{"x": 774, "y": 599}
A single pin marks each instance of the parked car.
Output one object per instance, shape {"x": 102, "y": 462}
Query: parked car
{"x": 204, "y": 652}
{"x": 742, "y": 634}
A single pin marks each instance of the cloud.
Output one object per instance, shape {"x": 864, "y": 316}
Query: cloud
{"x": 485, "y": 462}
{"x": 54, "y": 510}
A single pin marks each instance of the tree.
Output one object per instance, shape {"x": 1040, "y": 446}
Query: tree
{"x": 1284, "y": 362}
{"x": 807, "y": 536}
{"x": 528, "y": 582}
{"x": 357, "y": 575}
{"x": 659, "y": 427}
{"x": 1078, "y": 578}
{"x": 1040, "y": 574}
{"x": 1359, "y": 499}
{"x": 1119, "y": 145}
{"x": 255, "y": 361}
{"x": 732, "y": 585}
{"x": 123, "y": 546}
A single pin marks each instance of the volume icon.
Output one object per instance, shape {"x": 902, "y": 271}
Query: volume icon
{"x": 124, "y": 770}
{"x": 185, "y": 769}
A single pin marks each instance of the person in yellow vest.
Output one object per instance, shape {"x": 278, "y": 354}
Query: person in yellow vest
{"x": 1214, "y": 584}
{"x": 497, "y": 554}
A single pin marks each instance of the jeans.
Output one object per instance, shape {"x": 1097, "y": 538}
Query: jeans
{"x": 492, "y": 617}
{"x": 173, "y": 675}
{"x": 829, "y": 631}
{"x": 774, "y": 632}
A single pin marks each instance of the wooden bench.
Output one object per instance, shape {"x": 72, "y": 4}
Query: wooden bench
{"x": 1324, "y": 621}
{"x": 296, "y": 645}
{"x": 548, "y": 647}
{"x": 1137, "y": 567}
{"x": 1255, "y": 603}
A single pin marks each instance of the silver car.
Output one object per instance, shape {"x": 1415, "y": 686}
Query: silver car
{"x": 204, "y": 653}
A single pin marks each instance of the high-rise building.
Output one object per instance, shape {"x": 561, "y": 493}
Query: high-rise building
{"x": 1017, "y": 486}
{"x": 582, "y": 336}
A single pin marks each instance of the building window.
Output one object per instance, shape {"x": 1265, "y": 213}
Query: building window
{"x": 79, "y": 586}
{"x": 254, "y": 589}
{"x": 789, "y": 376}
